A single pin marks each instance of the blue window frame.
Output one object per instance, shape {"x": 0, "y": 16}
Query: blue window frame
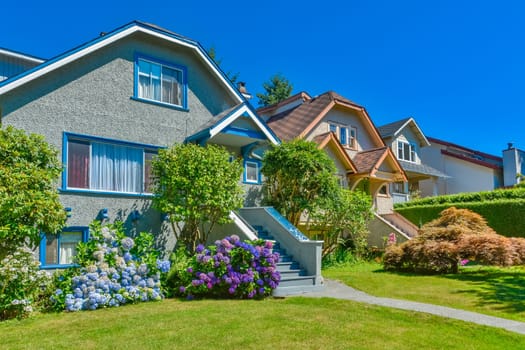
{"x": 252, "y": 171}
{"x": 160, "y": 82}
{"x": 96, "y": 164}
{"x": 59, "y": 250}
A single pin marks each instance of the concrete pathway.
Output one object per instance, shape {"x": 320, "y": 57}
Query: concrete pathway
{"x": 338, "y": 290}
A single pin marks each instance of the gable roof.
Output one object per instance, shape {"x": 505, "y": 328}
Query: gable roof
{"x": 299, "y": 121}
{"x": 469, "y": 155}
{"x": 221, "y": 121}
{"x": 369, "y": 161}
{"x": 395, "y": 128}
{"x": 330, "y": 140}
{"x": 111, "y": 37}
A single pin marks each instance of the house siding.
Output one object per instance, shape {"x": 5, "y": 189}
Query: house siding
{"x": 92, "y": 96}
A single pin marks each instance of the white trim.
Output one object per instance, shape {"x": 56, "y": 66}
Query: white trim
{"x": 247, "y": 230}
{"x": 21, "y": 56}
{"x": 107, "y": 41}
{"x": 227, "y": 121}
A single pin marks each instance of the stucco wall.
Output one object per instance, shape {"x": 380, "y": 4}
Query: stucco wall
{"x": 93, "y": 96}
{"x": 464, "y": 176}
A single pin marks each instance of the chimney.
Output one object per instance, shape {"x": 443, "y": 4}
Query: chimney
{"x": 241, "y": 86}
{"x": 510, "y": 145}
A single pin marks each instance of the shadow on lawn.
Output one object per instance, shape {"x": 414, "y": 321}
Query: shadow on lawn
{"x": 502, "y": 289}
{"x": 495, "y": 287}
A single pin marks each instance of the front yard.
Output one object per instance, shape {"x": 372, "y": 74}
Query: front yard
{"x": 292, "y": 323}
{"x": 489, "y": 290}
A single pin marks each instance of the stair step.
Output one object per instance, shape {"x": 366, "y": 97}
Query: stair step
{"x": 294, "y": 281}
{"x": 285, "y": 258}
{"x": 289, "y": 265}
{"x": 287, "y": 274}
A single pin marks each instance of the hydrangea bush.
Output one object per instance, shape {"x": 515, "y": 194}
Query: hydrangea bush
{"x": 114, "y": 270}
{"x": 21, "y": 283}
{"x": 231, "y": 269}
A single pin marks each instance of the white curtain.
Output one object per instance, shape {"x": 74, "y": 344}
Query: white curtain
{"x": 68, "y": 246}
{"x": 116, "y": 168}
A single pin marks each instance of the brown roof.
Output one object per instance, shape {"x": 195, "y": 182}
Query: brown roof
{"x": 367, "y": 161}
{"x": 293, "y": 122}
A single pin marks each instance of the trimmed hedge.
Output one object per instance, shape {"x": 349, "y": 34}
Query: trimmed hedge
{"x": 505, "y": 216}
{"x": 513, "y": 193}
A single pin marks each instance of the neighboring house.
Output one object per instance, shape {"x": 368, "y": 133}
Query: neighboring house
{"x": 109, "y": 105}
{"x": 406, "y": 140}
{"x": 13, "y": 63}
{"x": 513, "y": 165}
{"x": 468, "y": 170}
{"x": 345, "y": 131}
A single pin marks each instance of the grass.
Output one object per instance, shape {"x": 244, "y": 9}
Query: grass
{"x": 292, "y": 323}
{"x": 489, "y": 290}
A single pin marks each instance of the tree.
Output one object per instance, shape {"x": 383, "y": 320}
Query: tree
{"x": 298, "y": 176}
{"x": 218, "y": 61}
{"x": 276, "y": 90}
{"x": 197, "y": 187}
{"x": 29, "y": 204}
{"x": 343, "y": 219}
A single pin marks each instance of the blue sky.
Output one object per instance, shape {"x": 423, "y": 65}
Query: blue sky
{"x": 457, "y": 67}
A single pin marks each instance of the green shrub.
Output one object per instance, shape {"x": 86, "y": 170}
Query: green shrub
{"x": 505, "y": 216}
{"x": 501, "y": 194}
{"x": 21, "y": 284}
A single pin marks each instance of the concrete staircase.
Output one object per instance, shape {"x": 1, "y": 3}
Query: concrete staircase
{"x": 402, "y": 224}
{"x": 294, "y": 278}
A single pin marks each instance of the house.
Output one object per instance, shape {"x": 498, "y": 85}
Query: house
{"x": 406, "y": 140}
{"x": 468, "y": 170}
{"x": 13, "y": 63}
{"x": 346, "y": 132}
{"x": 110, "y": 104}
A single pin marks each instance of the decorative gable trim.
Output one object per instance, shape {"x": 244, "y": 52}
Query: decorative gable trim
{"x": 109, "y": 38}
{"x": 223, "y": 123}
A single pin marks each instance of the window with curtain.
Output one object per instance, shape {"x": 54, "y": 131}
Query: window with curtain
{"x": 102, "y": 166}
{"x": 252, "y": 172}
{"x": 59, "y": 250}
{"x": 160, "y": 82}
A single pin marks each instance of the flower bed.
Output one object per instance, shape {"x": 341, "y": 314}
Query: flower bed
{"x": 115, "y": 270}
{"x": 230, "y": 269}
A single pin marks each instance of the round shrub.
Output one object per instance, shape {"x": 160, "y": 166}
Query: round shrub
{"x": 458, "y": 234}
{"x": 21, "y": 284}
{"x": 229, "y": 269}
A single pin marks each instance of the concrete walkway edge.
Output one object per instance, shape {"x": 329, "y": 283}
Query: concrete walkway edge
{"x": 338, "y": 290}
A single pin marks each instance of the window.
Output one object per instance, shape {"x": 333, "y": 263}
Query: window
{"x": 110, "y": 166}
{"x": 252, "y": 172}
{"x": 59, "y": 250}
{"x": 160, "y": 82}
{"x": 406, "y": 151}
{"x": 346, "y": 135}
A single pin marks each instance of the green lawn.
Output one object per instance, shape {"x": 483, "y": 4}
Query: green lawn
{"x": 292, "y": 323}
{"x": 492, "y": 291}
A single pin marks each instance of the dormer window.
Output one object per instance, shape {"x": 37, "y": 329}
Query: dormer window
{"x": 406, "y": 151}
{"x": 345, "y": 134}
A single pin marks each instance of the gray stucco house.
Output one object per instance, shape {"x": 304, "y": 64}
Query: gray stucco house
{"x": 110, "y": 104}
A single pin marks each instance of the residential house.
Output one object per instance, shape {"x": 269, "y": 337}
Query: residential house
{"x": 345, "y": 131}
{"x": 468, "y": 170}
{"x": 109, "y": 105}
{"x": 406, "y": 140}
